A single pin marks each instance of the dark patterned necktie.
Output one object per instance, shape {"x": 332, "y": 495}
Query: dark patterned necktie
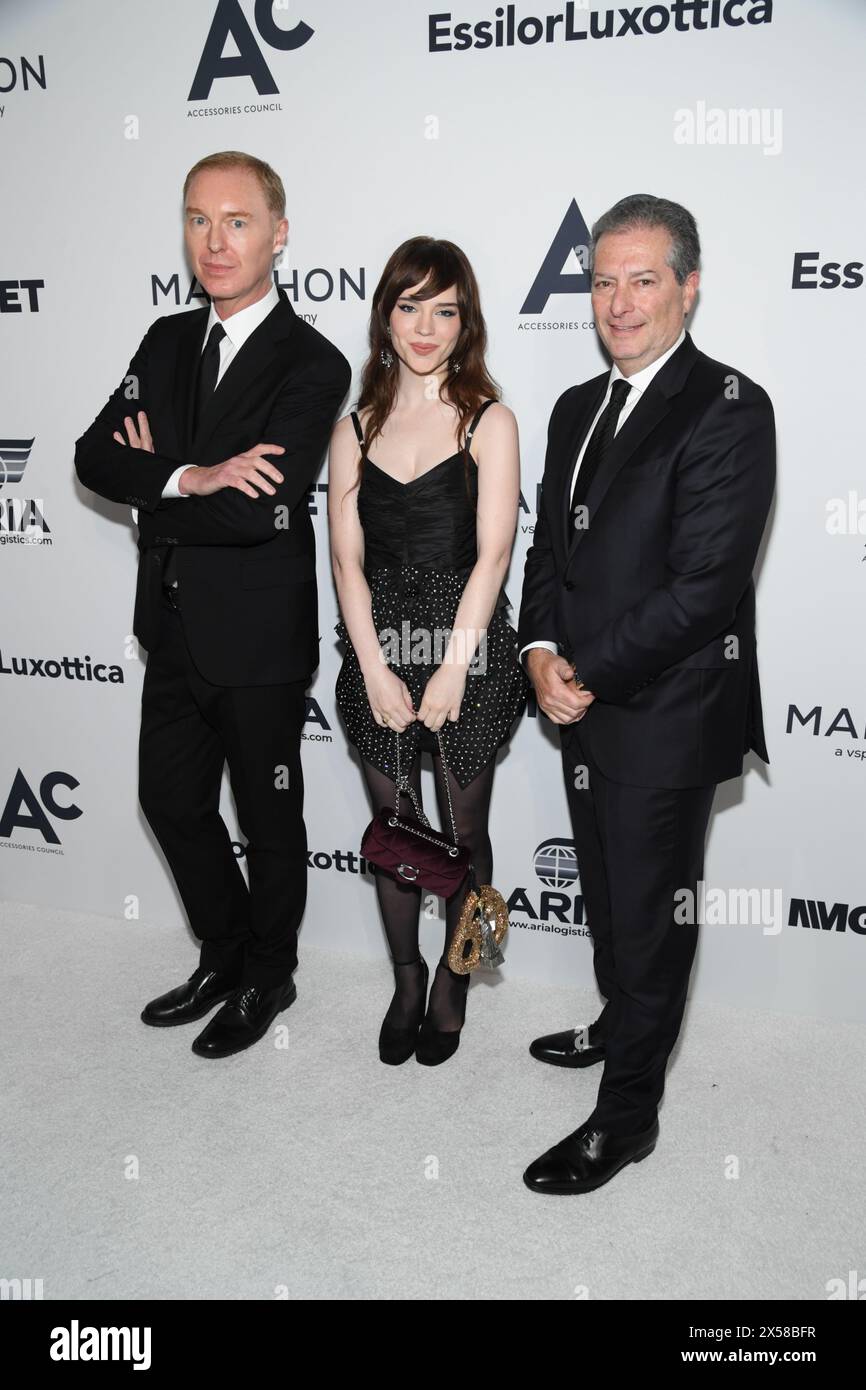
{"x": 208, "y": 371}
{"x": 596, "y": 449}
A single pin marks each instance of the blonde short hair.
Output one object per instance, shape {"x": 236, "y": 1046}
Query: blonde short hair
{"x": 269, "y": 180}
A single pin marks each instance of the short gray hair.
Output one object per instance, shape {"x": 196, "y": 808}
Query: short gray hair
{"x": 644, "y": 210}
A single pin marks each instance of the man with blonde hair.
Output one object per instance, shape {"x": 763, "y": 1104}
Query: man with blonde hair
{"x": 233, "y": 405}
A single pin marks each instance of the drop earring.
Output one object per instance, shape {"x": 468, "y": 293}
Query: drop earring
{"x": 386, "y": 357}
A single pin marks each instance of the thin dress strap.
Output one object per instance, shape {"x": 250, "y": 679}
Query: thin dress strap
{"x": 359, "y": 432}
{"x": 473, "y": 426}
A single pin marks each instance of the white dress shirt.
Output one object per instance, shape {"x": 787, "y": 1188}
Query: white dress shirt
{"x": 238, "y": 328}
{"x": 638, "y": 382}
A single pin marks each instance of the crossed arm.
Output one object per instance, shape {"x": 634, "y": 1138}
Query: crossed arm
{"x": 237, "y": 513}
{"x": 232, "y": 503}
{"x": 104, "y": 463}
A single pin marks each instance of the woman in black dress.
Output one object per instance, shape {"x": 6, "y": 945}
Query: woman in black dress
{"x": 421, "y": 533}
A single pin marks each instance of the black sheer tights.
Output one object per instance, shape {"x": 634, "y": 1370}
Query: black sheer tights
{"x": 400, "y": 903}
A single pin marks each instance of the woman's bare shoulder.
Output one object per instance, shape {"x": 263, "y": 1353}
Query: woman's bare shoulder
{"x": 497, "y": 424}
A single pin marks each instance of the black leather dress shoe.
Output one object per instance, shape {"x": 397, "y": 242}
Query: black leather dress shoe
{"x": 244, "y": 1018}
{"x": 202, "y": 991}
{"x": 570, "y": 1049}
{"x": 587, "y": 1159}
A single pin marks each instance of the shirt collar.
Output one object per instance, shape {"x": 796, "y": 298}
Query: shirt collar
{"x": 639, "y": 381}
{"x": 239, "y": 326}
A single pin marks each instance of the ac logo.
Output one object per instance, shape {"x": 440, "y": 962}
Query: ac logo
{"x": 26, "y": 811}
{"x": 229, "y": 21}
{"x": 572, "y": 238}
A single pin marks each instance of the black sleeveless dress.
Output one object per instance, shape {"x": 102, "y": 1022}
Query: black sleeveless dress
{"x": 419, "y": 550}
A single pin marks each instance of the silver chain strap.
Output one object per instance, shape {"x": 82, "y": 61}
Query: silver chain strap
{"x": 402, "y": 785}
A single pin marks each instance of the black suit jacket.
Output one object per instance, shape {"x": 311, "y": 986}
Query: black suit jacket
{"x": 246, "y": 566}
{"x": 654, "y": 600}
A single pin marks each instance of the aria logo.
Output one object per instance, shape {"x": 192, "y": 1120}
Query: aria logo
{"x": 14, "y": 454}
{"x": 229, "y": 21}
{"x": 556, "y": 864}
{"x": 22, "y": 519}
{"x": 572, "y": 240}
{"x": 559, "y": 907}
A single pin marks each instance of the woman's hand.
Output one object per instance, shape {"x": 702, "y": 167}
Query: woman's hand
{"x": 390, "y": 701}
{"x": 443, "y": 696}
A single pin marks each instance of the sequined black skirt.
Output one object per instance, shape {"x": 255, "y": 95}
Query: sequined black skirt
{"x": 413, "y": 610}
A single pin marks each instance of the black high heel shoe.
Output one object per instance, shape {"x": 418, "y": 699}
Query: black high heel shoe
{"x": 435, "y": 1045}
{"x": 396, "y": 1045}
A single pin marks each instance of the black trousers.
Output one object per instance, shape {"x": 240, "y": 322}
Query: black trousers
{"x": 189, "y": 730}
{"x": 636, "y": 847}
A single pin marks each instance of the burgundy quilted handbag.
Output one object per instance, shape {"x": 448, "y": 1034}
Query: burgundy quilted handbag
{"x": 410, "y": 849}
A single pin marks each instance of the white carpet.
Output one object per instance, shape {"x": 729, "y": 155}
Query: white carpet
{"x": 314, "y": 1171}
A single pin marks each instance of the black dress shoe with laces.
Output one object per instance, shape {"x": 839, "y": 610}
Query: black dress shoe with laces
{"x": 574, "y": 1048}
{"x": 202, "y": 992}
{"x": 245, "y": 1017}
{"x": 587, "y": 1159}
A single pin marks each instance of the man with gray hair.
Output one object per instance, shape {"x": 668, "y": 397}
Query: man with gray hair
{"x": 637, "y": 626}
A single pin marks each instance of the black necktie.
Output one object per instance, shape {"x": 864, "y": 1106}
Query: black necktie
{"x": 602, "y": 438}
{"x": 208, "y": 371}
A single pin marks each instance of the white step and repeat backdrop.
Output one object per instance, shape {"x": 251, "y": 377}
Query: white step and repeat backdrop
{"x": 507, "y": 129}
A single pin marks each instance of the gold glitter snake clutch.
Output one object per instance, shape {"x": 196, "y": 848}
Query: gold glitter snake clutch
{"x": 483, "y": 924}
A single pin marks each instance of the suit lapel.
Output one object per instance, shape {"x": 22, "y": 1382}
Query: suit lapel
{"x": 595, "y": 390}
{"x": 248, "y": 364}
{"x": 655, "y": 404}
{"x": 188, "y": 349}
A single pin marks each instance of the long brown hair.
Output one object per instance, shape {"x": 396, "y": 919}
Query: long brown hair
{"x": 436, "y": 265}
